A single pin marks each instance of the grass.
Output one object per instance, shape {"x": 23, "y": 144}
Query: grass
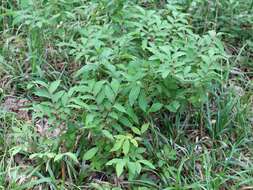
{"x": 126, "y": 95}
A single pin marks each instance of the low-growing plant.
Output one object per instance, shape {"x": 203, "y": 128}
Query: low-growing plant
{"x": 124, "y": 95}
{"x": 166, "y": 69}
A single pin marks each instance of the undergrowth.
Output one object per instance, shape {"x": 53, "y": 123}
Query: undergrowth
{"x": 108, "y": 94}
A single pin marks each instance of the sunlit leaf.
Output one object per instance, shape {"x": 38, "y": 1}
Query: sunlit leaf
{"x": 90, "y": 153}
{"x": 134, "y": 93}
{"x": 53, "y": 86}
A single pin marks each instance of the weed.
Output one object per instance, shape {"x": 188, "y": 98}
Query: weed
{"x": 126, "y": 94}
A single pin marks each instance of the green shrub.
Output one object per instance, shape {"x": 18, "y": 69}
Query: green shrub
{"x": 133, "y": 94}
{"x": 135, "y": 69}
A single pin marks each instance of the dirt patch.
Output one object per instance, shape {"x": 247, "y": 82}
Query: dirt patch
{"x": 42, "y": 127}
{"x": 12, "y": 104}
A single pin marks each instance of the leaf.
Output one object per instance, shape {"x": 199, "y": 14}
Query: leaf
{"x": 64, "y": 99}
{"x": 69, "y": 154}
{"x": 89, "y": 118}
{"x": 58, "y": 157}
{"x": 42, "y": 83}
{"x": 187, "y": 69}
{"x": 107, "y": 134}
{"x": 138, "y": 167}
{"x": 53, "y": 86}
{"x": 78, "y": 102}
{"x": 165, "y": 73}
{"x": 125, "y": 121}
{"x": 37, "y": 182}
{"x": 16, "y": 150}
{"x": 120, "y": 166}
{"x": 147, "y": 163}
{"x": 173, "y": 106}
{"x": 144, "y": 127}
{"x": 115, "y": 85}
{"x": 84, "y": 69}
{"x": 109, "y": 93}
{"x": 25, "y": 4}
{"x": 134, "y": 142}
{"x": 131, "y": 167}
{"x": 155, "y": 107}
{"x": 131, "y": 113}
{"x": 113, "y": 115}
{"x": 111, "y": 162}
{"x": 72, "y": 156}
{"x": 126, "y": 147}
{"x": 42, "y": 93}
{"x": 136, "y": 130}
{"x": 35, "y": 155}
{"x": 142, "y": 101}
{"x": 97, "y": 87}
{"x": 117, "y": 145}
{"x": 134, "y": 93}
{"x": 57, "y": 96}
{"x": 100, "y": 97}
{"x": 120, "y": 108}
{"x": 90, "y": 153}
{"x": 167, "y": 50}
{"x": 178, "y": 54}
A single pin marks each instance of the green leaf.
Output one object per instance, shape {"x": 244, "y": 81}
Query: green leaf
{"x": 64, "y": 99}
{"x": 113, "y": 115}
{"x": 131, "y": 167}
{"x": 136, "y": 130}
{"x": 125, "y": 121}
{"x": 53, "y": 86}
{"x": 78, "y": 102}
{"x": 147, "y": 163}
{"x": 58, "y": 157}
{"x": 134, "y": 93}
{"x": 120, "y": 166}
{"x": 131, "y": 113}
{"x": 126, "y": 147}
{"x": 72, "y": 156}
{"x": 100, "y": 97}
{"x": 155, "y": 107}
{"x": 117, "y": 145}
{"x": 165, "y": 73}
{"x": 16, "y": 150}
{"x": 90, "y": 153}
{"x": 138, "y": 167}
{"x": 97, "y": 87}
{"x": 42, "y": 93}
{"x": 144, "y": 127}
{"x": 89, "y": 118}
{"x": 115, "y": 85}
{"x": 107, "y": 134}
{"x": 57, "y": 96}
{"x": 142, "y": 101}
{"x": 25, "y": 4}
{"x": 109, "y": 93}
{"x": 187, "y": 69}
{"x": 173, "y": 106}
{"x": 84, "y": 69}
{"x": 134, "y": 142}
{"x": 111, "y": 162}
{"x": 120, "y": 108}
{"x": 42, "y": 83}
{"x": 69, "y": 154}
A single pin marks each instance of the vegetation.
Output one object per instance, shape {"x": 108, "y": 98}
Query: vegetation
{"x": 126, "y": 94}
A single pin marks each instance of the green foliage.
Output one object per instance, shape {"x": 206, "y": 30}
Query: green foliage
{"x": 126, "y": 94}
